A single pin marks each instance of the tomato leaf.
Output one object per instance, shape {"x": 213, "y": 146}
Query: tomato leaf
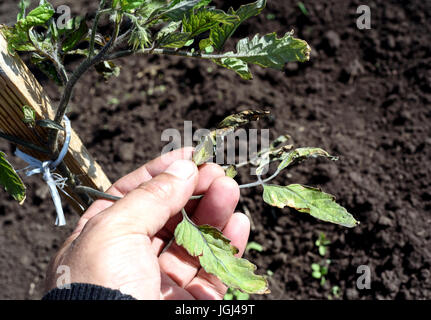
{"x": 10, "y": 180}
{"x": 38, "y": 16}
{"x": 320, "y": 205}
{"x": 204, "y": 151}
{"x": 271, "y": 51}
{"x": 217, "y": 256}
{"x": 29, "y": 115}
{"x": 241, "y": 118}
{"x": 300, "y": 154}
{"x": 237, "y": 65}
{"x": 175, "y": 40}
{"x": 203, "y": 19}
{"x": 231, "y": 171}
{"x": 220, "y": 34}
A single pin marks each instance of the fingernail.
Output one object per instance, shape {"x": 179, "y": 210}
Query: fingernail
{"x": 182, "y": 169}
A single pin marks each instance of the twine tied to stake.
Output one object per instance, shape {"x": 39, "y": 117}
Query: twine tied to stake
{"x": 54, "y": 180}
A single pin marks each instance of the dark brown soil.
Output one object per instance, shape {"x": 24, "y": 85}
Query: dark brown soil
{"x": 364, "y": 96}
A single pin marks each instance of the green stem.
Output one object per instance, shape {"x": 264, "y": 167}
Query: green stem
{"x": 94, "y": 28}
{"x": 161, "y": 51}
{"x": 96, "y": 193}
{"x": 23, "y": 143}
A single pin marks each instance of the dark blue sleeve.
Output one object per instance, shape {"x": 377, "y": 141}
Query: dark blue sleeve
{"x": 85, "y": 291}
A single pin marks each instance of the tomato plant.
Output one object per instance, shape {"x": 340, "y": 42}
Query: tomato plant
{"x": 190, "y": 29}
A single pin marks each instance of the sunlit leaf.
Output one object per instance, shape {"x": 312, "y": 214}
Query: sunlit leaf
{"x": 242, "y": 118}
{"x": 300, "y": 154}
{"x": 220, "y": 34}
{"x": 47, "y": 67}
{"x": 309, "y": 200}
{"x": 129, "y": 5}
{"x": 23, "y": 5}
{"x": 217, "y": 256}
{"x": 175, "y": 40}
{"x": 178, "y": 8}
{"x": 204, "y": 151}
{"x": 168, "y": 29}
{"x": 38, "y": 16}
{"x": 107, "y": 69}
{"x": 10, "y": 180}
{"x": 231, "y": 171}
{"x": 275, "y": 152}
{"x": 270, "y": 51}
{"x": 203, "y": 19}
{"x": 140, "y": 37}
{"x": 75, "y": 32}
{"x": 254, "y": 246}
{"x": 29, "y": 115}
{"x": 236, "y": 65}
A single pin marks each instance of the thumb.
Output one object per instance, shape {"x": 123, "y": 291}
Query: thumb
{"x": 146, "y": 209}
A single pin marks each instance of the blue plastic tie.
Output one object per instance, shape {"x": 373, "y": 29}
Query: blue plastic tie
{"x": 54, "y": 180}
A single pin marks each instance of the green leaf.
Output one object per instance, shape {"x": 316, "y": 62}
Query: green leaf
{"x": 322, "y": 250}
{"x": 189, "y": 43}
{"x": 254, "y": 246}
{"x": 241, "y": 118}
{"x": 216, "y": 256}
{"x": 203, "y": 19}
{"x": 315, "y": 267}
{"x": 220, "y": 34}
{"x": 130, "y": 5}
{"x": 38, "y": 16}
{"x": 270, "y": 51}
{"x": 17, "y": 39}
{"x": 302, "y": 7}
{"x": 309, "y": 200}
{"x": 107, "y": 69}
{"x": 47, "y": 67}
{"x": 76, "y": 30}
{"x": 175, "y": 40}
{"x": 140, "y": 37}
{"x": 228, "y": 296}
{"x": 275, "y": 152}
{"x": 204, "y": 151}
{"x": 46, "y": 123}
{"x": 237, "y": 65}
{"x": 29, "y": 115}
{"x": 23, "y": 5}
{"x": 300, "y": 154}
{"x": 168, "y": 29}
{"x": 231, "y": 171}
{"x": 204, "y": 43}
{"x": 10, "y": 180}
{"x": 176, "y": 9}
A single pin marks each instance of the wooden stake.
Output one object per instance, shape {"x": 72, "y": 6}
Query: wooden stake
{"x": 19, "y": 87}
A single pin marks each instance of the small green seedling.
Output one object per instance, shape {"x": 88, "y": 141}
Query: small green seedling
{"x": 322, "y": 243}
{"x": 302, "y": 7}
{"x": 254, "y": 246}
{"x": 270, "y": 16}
{"x": 319, "y": 271}
{"x": 235, "y": 294}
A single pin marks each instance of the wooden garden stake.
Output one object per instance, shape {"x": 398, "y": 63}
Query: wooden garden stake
{"x": 19, "y": 87}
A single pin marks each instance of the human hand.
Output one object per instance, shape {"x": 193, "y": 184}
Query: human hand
{"x": 121, "y": 245}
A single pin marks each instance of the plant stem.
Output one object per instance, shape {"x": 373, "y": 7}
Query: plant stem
{"x": 259, "y": 182}
{"x": 23, "y": 143}
{"x": 94, "y": 28}
{"x": 96, "y": 193}
{"x": 67, "y": 93}
{"x": 171, "y": 52}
